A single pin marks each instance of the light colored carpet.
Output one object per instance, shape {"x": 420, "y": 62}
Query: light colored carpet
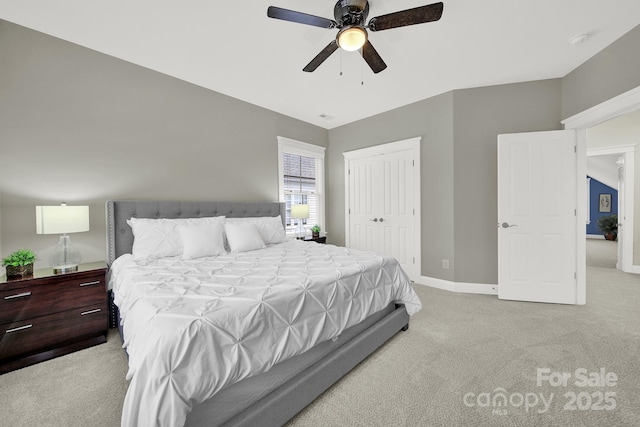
{"x": 457, "y": 345}
{"x": 602, "y": 253}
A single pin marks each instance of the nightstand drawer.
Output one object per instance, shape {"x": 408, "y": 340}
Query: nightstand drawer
{"x": 62, "y": 294}
{"x": 42, "y": 333}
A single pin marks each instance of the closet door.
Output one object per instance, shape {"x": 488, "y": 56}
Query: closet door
{"x": 381, "y": 204}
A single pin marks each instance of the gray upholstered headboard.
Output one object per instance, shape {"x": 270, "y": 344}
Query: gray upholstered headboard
{"x": 120, "y": 236}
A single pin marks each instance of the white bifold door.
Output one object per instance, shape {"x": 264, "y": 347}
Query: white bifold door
{"x": 537, "y": 217}
{"x": 382, "y": 191}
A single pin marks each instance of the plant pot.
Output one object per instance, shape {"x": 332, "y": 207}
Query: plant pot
{"x": 611, "y": 236}
{"x": 315, "y": 235}
{"x": 19, "y": 271}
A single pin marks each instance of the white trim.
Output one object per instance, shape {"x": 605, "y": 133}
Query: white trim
{"x": 635, "y": 269}
{"x": 581, "y": 217}
{"x": 595, "y": 236}
{"x": 614, "y": 149}
{"x": 614, "y": 107}
{"x": 390, "y": 147}
{"x": 459, "y": 287}
{"x": 309, "y": 150}
{"x": 411, "y": 144}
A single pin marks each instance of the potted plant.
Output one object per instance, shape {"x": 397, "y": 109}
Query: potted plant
{"x": 609, "y": 226}
{"x": 315, "y": 231}
{"x": 19, "y": 263}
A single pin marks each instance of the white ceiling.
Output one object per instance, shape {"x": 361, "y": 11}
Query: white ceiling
{"x": 233, "y": 48}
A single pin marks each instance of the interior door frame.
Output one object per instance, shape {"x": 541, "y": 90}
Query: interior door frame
{"x": 411, "y": 144}
{"x": 614, "y": 107}
{"x": 627, "y": 231}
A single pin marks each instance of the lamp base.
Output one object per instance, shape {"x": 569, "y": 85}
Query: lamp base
{"x": 65, "y": 257}
{"x": 62, "y": 269}
{"x": 301, "y": 231}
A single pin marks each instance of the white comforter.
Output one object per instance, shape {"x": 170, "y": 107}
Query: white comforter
{"x": 194, "y": 327}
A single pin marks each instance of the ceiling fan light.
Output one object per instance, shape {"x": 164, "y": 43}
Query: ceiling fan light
{"x": 352, "y": 38}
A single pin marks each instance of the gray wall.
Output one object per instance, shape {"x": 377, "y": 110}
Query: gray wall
{"x": 82, "y": 127}
{"x": 480, "y": 115}
{"x": 432, "y": 119}
{"x": 458, "y": 178}
{"x": 611, "y": 72}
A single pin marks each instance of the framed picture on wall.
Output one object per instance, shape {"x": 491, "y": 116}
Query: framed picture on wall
{"x": 605, "y": 202}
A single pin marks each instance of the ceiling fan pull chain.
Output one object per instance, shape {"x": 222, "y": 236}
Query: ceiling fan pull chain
{"x": 361, "y": 72}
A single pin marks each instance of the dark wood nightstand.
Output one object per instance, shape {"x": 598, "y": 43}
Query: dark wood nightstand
{"x": 321, "y": 239}
{"x": 48, "y": 315}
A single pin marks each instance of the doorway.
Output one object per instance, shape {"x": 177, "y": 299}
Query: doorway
{"x": 618, "y": 106}
{"x": 613, "y": 165}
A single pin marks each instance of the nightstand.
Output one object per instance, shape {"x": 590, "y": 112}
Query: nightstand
{"x": 321, "y": 239}
{"x": 48, "y": 315}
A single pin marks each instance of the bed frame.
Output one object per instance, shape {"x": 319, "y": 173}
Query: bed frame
{"x": 281, "y": 404}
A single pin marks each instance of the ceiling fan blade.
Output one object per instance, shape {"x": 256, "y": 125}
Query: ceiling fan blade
{"x": 418, "y": 15}
{"x": 299, "y": 17}
{"x": 321, "y": 57}
{"x": 372, "y": 57}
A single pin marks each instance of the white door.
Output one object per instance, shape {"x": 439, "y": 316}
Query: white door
{"x": 537, "y": 222}
{"x": 382, "y": 215}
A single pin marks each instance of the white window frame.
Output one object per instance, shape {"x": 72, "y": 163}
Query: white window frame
{"x": 291, "y": 146}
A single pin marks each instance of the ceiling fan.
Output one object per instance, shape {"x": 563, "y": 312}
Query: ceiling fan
{"x": 350, "y": 17}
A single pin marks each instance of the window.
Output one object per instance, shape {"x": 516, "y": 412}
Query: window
{"x": 301, "y": 170}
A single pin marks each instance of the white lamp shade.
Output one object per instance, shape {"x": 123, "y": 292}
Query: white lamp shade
{"x": 62, "y": 219}
{"x": 300, "y": 211}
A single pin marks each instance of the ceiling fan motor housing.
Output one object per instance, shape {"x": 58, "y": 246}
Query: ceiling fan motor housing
{"x": 351, "y": 12}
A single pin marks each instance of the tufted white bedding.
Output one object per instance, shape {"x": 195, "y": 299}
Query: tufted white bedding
{"x": 193, "y": 327}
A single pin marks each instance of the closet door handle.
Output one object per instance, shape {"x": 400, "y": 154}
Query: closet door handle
{"x": 374, "y": 220}
{"x": 381, "y": 220}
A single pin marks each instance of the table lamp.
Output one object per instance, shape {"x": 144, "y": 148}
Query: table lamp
{"x": 63, "y": 219}
{"x": 300, "y": 212}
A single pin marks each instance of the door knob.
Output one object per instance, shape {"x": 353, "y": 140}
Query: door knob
{"x": 507, "y": 225}
{"x": 381, "y": 219}
{"x": 374, "y": 220}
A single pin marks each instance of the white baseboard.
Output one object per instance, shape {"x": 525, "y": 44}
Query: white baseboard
{"x": 467, "y": 288}
{"x": 595, "y": 236}
{"x": 476, "y": 288}
{"x": 635, "y": 269}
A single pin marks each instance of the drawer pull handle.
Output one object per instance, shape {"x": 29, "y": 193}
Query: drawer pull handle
{"x": 24, "y": 294}
{"x": 90, "y": 283}
{"x": 19, "y": 328}
{"x": 90, "y": 311}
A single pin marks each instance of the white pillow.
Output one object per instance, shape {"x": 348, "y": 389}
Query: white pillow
{"x": 201, "y": 240}
{"x": 243, "y": 237}
{"x": 159, "y": 238}
{"x": 270, "y": 227}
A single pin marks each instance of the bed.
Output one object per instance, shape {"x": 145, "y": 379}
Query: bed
{"x": 232, "y": 380}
